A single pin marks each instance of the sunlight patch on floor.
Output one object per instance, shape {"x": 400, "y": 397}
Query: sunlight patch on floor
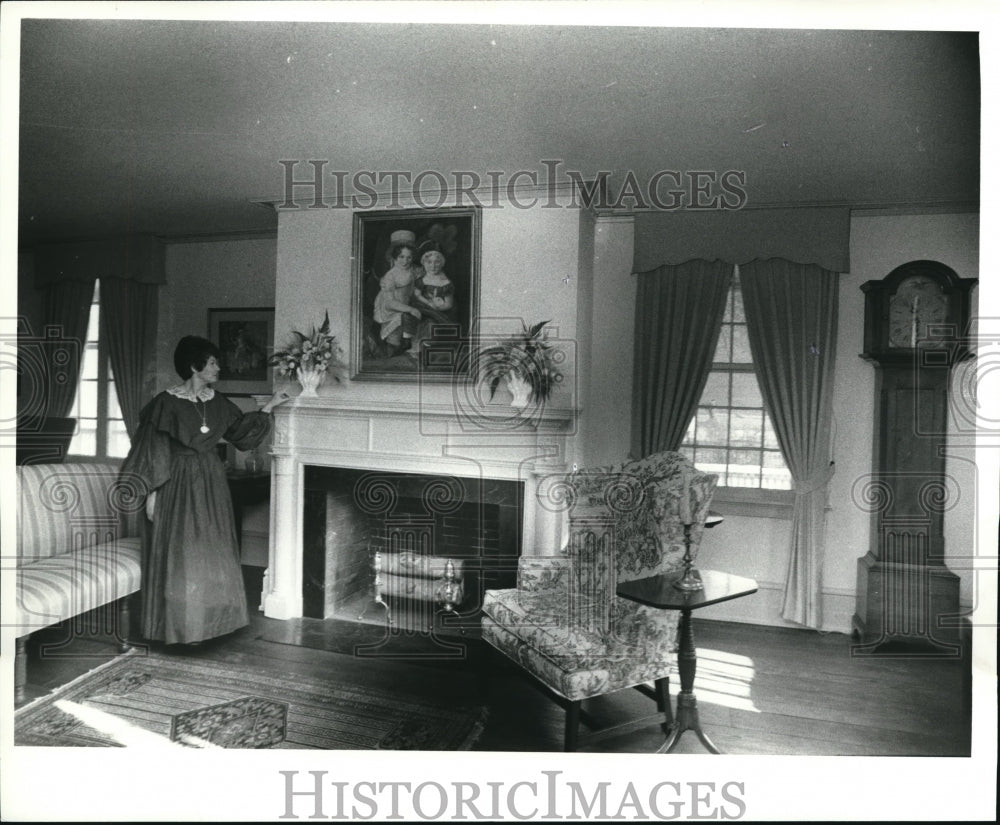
{"x": 724, "y": 678}
{"x": 125, "y": 733}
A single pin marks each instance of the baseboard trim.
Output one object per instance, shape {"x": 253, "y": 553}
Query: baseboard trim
{"x": 764, "y": 608}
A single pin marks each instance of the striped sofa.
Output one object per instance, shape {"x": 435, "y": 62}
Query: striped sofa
{"x": 78, "y": 548}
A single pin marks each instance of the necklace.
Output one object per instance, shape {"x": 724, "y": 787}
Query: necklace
{"x": 204, "y": 423}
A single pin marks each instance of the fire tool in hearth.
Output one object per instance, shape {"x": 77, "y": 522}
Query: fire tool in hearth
{"x": 377, "y": 586}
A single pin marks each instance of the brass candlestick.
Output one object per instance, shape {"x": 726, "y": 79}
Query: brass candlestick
{"x": 690, "y": 578}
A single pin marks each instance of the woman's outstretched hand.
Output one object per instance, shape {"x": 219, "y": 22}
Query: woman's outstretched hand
{"x": 280, "y": 397}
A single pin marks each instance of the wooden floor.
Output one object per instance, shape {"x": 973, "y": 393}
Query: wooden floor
{"x": 760, "y": 690}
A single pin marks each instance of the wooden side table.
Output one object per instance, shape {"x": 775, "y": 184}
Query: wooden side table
{"x": 659, "y": 592}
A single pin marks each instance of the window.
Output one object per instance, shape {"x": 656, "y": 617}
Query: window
{"x": 101, "y": 429}
{"x": 731, "y": 433}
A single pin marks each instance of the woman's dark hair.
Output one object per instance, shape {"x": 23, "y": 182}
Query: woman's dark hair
{"x": 193, "y": 351}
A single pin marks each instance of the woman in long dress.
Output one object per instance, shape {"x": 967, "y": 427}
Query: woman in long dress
{"x": 192, "y": 581}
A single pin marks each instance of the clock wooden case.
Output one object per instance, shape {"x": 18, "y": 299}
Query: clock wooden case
{"x": 916, "y": 320}
{"x": 918, "y": 306}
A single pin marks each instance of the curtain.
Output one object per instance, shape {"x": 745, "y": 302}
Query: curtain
{"x": 67, "y": 307}
{"x": 130, "y": 268}
{"x": 128, "y": 316}
{"x": 791, "y": 312}
{"x": 812, "y": 235}
{"x": 678, "y": 316}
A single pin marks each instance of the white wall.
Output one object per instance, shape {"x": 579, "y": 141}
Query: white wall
{"x": 208, "y": 274}
{"x": 608, "y": 406}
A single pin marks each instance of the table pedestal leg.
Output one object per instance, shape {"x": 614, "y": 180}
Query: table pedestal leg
{"x": 687, "y": 704}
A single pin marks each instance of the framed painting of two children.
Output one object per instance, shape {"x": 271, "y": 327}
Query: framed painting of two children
{"x": 416, "y": 292}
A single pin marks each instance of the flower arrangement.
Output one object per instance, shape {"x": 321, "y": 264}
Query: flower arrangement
{"x": 311, "y": 355}
{"x": 527, "y": 357}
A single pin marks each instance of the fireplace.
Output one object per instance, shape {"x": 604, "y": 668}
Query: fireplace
{"x": 426, "y": 529}
{"x": 462, "y": 487}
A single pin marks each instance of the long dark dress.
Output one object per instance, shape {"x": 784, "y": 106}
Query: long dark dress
{"x": 192, "y": 582}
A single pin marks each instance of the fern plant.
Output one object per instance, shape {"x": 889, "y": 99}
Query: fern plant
{"x": 528, "y": 356}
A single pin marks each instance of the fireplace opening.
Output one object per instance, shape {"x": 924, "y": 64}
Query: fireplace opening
{"x": 438, "y": 541}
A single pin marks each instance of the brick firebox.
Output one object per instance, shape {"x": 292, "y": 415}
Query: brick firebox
{"x": 348, "y": 514}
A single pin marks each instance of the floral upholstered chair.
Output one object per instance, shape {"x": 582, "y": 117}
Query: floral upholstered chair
{"x": 563, "y": 622}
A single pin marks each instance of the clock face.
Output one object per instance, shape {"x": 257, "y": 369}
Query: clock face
{"x": 918, "y": 302}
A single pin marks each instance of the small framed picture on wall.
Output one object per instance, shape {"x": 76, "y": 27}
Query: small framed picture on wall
{"x": 245, "y": 337}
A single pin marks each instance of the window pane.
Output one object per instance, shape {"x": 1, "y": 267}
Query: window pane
{"x": 711, "y": 460}
{"x": 777, "y": 480}
{"x": 773, "y": 461}
{"x": 744, "y": 468}
{"x": 713, "y": 425}
{"x": 727, "y": 316}
{"x": 689, "y": 435}
{"x": 737, "y": 477}
{"x": 87, "y": 399}
{"x": 746, "y": 392}
{"x": 85, "y": 440}
{"x": 770, "y": 438}
{"x": 93, "y": 323}
{"x": 716, "y": 392}
{"x": 114, "y": 410}
{"x": 746, "y": 428}
{"x": 738, "y": 314}
{"x": 118, "y": 440}
{"x": 775, "y": 474}
{"x": 741, "y": 345}
{"x": 88, "y": 366}
{"x": 722, "y": 347}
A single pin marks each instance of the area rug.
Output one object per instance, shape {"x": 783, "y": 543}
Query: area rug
{"x": 139, "y": 697}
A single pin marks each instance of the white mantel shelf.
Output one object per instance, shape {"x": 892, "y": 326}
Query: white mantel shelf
{"x": 493, "y": 441}
{"x": 322, "y": 404}
{"x": 335, "y": 402}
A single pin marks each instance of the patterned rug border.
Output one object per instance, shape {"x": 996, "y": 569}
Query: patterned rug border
{"x": 324, "y": 708}
{"x": 55, "y": 693}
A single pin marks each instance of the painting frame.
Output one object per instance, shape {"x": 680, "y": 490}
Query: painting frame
{"x": 439, "y": 347}
{"x": 245, "y": 337}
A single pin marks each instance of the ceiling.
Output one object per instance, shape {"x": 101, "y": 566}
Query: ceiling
{"x": 177, "y": 127}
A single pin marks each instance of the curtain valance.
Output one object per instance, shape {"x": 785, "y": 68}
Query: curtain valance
{"x": 131, "y": 257}
{"x": 818, "y": 236}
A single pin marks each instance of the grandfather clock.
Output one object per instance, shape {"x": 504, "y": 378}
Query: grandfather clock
{"x": 915, "y": 320}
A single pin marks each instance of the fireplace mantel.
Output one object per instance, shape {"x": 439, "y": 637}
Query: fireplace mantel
{"x": 492, "y": 441}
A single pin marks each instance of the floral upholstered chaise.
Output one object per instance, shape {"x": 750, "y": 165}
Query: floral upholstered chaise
{"x": 563, "y": 622}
